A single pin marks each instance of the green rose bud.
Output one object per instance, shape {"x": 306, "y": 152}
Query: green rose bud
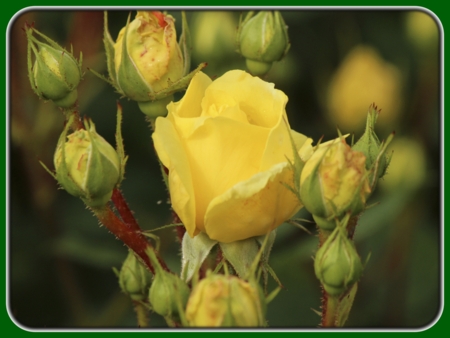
{"x": 134, "y": 278}
{"x": 337, "y": 264}
{"x": 87, "y": 166}
{"x": 370, "y": 146}
{"x": 262, "y": 40}
{"x": 333, "y": 182}
{"x": 55, "y": 74}
{"x": 168, "y": 294}
{"x": 225, "y": 301}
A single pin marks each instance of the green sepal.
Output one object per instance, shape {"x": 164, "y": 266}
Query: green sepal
{"x": 311, "y": 192}
{"x": 119, "y": 143}
{"x": 185, "y": 43}
{"x": 194, "y": 252}
{"x": 345, "y": 305}
{"x": 99, "y": 166}
{"x": 62, "y": 174}
{"x": 241, "y": 255}
{"x": 110, "y": 55}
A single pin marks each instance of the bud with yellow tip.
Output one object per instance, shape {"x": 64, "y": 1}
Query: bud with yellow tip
{"x": 86, "y": 165}
{"x": 146, "y": 64}
{"x": 334, "y": 181}
{"x": 225, "y": 301}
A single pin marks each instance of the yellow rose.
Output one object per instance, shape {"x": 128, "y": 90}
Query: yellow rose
{"x": 225, "y": 145}
{"x": 154, "y": 52}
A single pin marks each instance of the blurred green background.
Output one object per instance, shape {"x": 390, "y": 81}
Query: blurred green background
{"x": 60, "y": 259}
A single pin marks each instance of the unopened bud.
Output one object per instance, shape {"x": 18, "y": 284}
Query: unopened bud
{"x": 337, "y": 264}
{"x": 225, "y": 301}
{"x": 87, "y": 166}
{"x": 134, "y": 278}
{"x": 262, "y": 40}
{"x": 168, "y": 294}
{"x": 55, "y": 74}
{"x": 334, "y": 182}
{"x": 370, "y": 146}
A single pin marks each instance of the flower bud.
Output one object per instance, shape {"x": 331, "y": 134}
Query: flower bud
{"x": 263, "y": 39}
{"x": 337, "y": 264}
{"x": 87, "y": 166}
{"x": 333, "y": 182}
{"x": 55, "y": 74}
{"x": 370, "y": 146}
{"x": 168, "y": 294}
{"x": 225, "y": 301}
{"x": 134, "y": 278}
{"x": 147, "y": 57}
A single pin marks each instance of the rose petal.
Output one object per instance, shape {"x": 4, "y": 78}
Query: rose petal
{"x": 255, "y": 97}
{"x": 221, "y": 153}
{"x": 190, "y": 104}
{"x": 172, "y": 154}
{"x": 252, "y": 207}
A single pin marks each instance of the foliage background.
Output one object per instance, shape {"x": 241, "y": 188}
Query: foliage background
{"x": 60, "y": 260}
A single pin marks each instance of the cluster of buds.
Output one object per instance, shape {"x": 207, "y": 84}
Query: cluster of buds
{"x": 262, "y": 39}
{"x": 55, "y": 73}
{"x": 146, "y": 64}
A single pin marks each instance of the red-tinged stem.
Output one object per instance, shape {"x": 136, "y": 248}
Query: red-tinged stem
{"x": 124, "y": 211}
{"x": 133, "y": 239}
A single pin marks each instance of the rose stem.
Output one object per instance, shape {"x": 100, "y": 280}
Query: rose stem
{"x": 330, "y": 304}
{"x": 128, "y": 218}
{"x": 141, "y": 314}
{"x": 124, "y": 211}
{"x": 132, "y": 238}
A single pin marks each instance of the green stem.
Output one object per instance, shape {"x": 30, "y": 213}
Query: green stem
{"x": 141, "y": 314}
{"x": 330, "y": 312}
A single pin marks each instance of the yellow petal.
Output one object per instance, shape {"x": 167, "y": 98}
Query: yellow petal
{"x": 172, "y": 154}
{"x": 256, "y": 98}
{"x": 252, "y": 207}
{"x": 230, "y": 154}
{"x": 190, "y": 104}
